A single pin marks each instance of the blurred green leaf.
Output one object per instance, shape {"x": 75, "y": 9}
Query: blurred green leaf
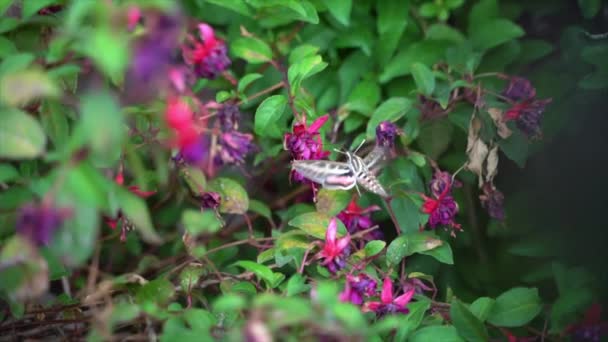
{"x": 515, "y": 307}
{"x": 410, "y": 243}
{"x": 234, "y": 198}
{"x": 296, "y": 284}
{"x": 55, "y": 123}
{"x": 31, "y": 7}
{"x": 468, "y": 325}
{"x": 251, "y": 49}
{"x": 435, "y": 137}
{"x": 303, "y": 69}
{"x": 374, "y": 247}
{"x": 267, "y": 115}
{"x": 190, "y": 276}
{"x": 238, "y": 6}
{"x": 260, "y": 208}
{"x": 364, "y": 98}
{"x": 515, "y": 148}
{"x": 197, "y": 222}
{"x": 494, "y": 32}
{"x": 158, "y": 291}
{"x": 246, "y": 80}
{"x": 424, "y": 78}
{"x": 589, "y": 8}
{"x": 7, "y": 47}
{"x": 340, "y": 9}
{"x": 20, "y": 88}
{"x": 8, "y": 173}
{"x": 315, "y": 224}
{"x": 115, "y": 57}
{"x": 21, "y": 136}
{"x": 263, "y": 272}
{"x": 427, "y": 52}
{"x": 444, "y": 333}
{"x": 136, "y": 211}
{"x": 332, "y": 202}
{"x": 482, "y": 307}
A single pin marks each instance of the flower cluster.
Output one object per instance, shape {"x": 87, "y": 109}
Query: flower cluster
{"x": 305, "y": 143}
{"x": 207, "y": 55}
{"x": 389, "y": 304}
{"x": 441, "y": 206}
{"x": 38, "y": 222}
{"x": 591, "y": 327}
{"x": 334, "y": 251}
{"x": 526, "y": 110}
{"x": 386, "y": 132}
{"x": 180, "y": 117}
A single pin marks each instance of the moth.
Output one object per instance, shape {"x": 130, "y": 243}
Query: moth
{"x": 353, "y": 172}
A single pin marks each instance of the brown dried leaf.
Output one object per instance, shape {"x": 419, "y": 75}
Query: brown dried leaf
{"x": 474, "y": 127}
{"x": 477, "y": 155}
{"x": 502, "y": 129}
{"x": 492, "y": 164}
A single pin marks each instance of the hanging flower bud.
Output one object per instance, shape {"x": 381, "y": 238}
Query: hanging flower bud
{"x": 210, "y": 200}
{"x": 386, "y": 132}
{"x": 38, "y": 222}
{"x": 493, "y": 201}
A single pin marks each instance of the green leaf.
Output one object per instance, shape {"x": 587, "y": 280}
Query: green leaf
{"x": 393, "y": 17}
{"x": 390, "y": 110}
{"x": 267, "y": 115}
{"x": 8, "y": 173}
{"x": 515, "y": 307}
{"x": 234, "y": 198}
{"x": 515, "y": 147}
{"x": 468, "y": 325}
{"x": 364, "y": 98}
{"x": 443, "y": 333}
{"x": 407, "y": 211}
{"x": 442, "y": 253}
{"x": 296, "y": 284}
{"x": 197, "y": 222}
{"x": 56, "y": 268}
{"x": 157, "y": 291}
{"x": 494, "y": 32}
{"x": 410, "y": 243}
{"x": 8, "y": 24}
{"x": 55, "y": 123}
{"x": 100, "y": 109}
{"x": 482, "y": 307}
{"x": 315, "y": 224}
{"x": 75, "y": 242}
{"x": 190, "y": 276}
{"x": 21, "y": 136}
{"x": 262, "y": 271}
{"x": 424, "y": 78}
{"x": 413, "y": 319}
{"x": 7, "y": 47}
{"x": 435, "y": 137}
{"x": 251, "y": 49}
{"x": 332, "y": 202}
{"x": 246, "y": 80}
{"x": 303, "y": 69}
{"x": 374, "y": 247}
{"x": 340, "y": 9}
{"x": 589, "y": 8}
{"x": 229, "y": 303}
{"x": 238, "y": 6}
{"x": 260, "y": 208}
{"x": 427, "y": 52}
{"x": 136, "y": 211}
{"x": 20, "y": 88}
{"x": 115, "y": 57}
{"x": 31, "y": 7}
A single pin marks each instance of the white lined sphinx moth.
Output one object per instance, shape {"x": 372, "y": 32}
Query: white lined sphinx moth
{"x": 345, "y": 175}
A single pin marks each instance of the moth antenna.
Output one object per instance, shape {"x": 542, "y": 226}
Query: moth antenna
{"x": 358, "y": 147}
{"x": 339, "y": 151}
{"x": 358, "y": 191}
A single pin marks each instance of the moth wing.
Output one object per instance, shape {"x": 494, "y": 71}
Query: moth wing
{"x": 344, "y": 182}
{"x": 370, "y": 183}
{"x": 318, "y": 170}
{"x": 376, "y": 158}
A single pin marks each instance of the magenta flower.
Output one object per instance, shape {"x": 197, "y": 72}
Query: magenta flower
{"x": 357, "y": 287}
{"x": 208, "y": 55}
{"x": 38, "y": 223}
{"x": 526, "y": 110}
{"x": 335, "y": 251}
{"x": 441, "y": 207}
{"x": 386, "y": 132}
{"x": 305, "y": 143}
{"x": 493, "y": 201}
{"x": 233, "y": 146}
{"x": 229, "y": 116}
{"x": 194, "y": 153}
{"x": 356, "y": 219}
{"x": 388, "y": 304}
{"x": 591, "y": 328}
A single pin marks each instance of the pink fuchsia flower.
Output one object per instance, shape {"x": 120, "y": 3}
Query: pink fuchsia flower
{"x": 591, "y": 328}
{"x": 233, "y": 146}
{"x": 133, "y": 17}
{"x": 441, "y": 207}
{"x": 356, "y": 219}
{"x": 526, "y": 110}
{"x": 38, "y": 222}
{"x": 208, "y": 55}
{"x": 113, "y": 222}
{"x": 388, "y": 304}
{"x": 335, "y": 251}
{"x": 492, "y": 200}
{"x": 357, "y": 287}
{"x": 305, "y": 143}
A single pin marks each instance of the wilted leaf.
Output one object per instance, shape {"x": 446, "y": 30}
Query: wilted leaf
{"x": 21, "y": 136}
{"x": 492, "y": 164}
{"x": 234, "y": 198}
{"x": 497, "y": 116}
{"x": 18, "y": 89}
